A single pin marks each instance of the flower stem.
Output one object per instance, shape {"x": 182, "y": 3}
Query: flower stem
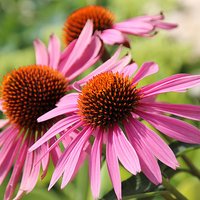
{"x": 173, "y": 190}
{"x": 193, "y": 169}
{"x": 148, "y": 195}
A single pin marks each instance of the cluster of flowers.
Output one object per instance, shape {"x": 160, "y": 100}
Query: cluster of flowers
{"x": 46, "y": 106}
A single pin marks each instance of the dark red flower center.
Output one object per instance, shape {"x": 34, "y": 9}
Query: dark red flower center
{"x": 102, "y": 19}
{"x": 107, "y": 99}
{"x": 29, "y": 92}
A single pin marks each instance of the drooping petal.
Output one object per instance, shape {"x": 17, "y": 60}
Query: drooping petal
{"x": 55, "y": 152}
{"x": 125, "y": 152}
{"x": 55, "y": 129}
{"x": 16, "y": 174}
{"x": 81, "y": 44}
{"x": 9, "y": 132}
{"x": 104, "y": 67}
{"x": 113, "y": 165}
{"x": 183, "y": 110}
{"x": 155, "y": 144}
{"x": 73, "y": 158}
{"x": 10, "y": 156}
{"x": 113, "y": 36}
{"x": 26, "y": 172}
{"x": 7, "y": 144}
{"x": 95, "y": 165}
{"x": 164, "y": 25}
{"x": 88, "y": 58}
{"x": 136, "y": 28}
{"x": 56, "y": 112}
{"x": 146, "y": 69}
{"x": 65, "y": 55}
{"x": 66, "y": 159}
{"x": 41, "y": 53}
{"x": 68, "y": 100}
{"x": 120, "y": 65}
{"x": 34, "y": 173}
{"x": 45, "y": 161}
{"x": 54, "y": 51}
{"x": 172, "y": 127}
{"x": 149, "y": 164}
{"x": 130, "y": 69}
{"x": 175, "y": 83}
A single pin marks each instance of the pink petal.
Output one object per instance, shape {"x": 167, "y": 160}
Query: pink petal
{"x": 6, "y": 164}
{"x": 121, "y": 64}
{"x": 95, "y": 165}
{"x": 136, "y": 28}
{"x": 79, "y": 164}
{"x": 74, "y": 155}
{"x": 45, "y": 160}
{"x": 70, "y": 158}
{"x": 88, "y": 58}
{"x": 65, "y": 55}
{"x": 155, "y": 144}
{"x": 54, "y": 51}
{"x": 81, "y": 44}
{"x": 113, "y": 165}
{"x": 8, "y": 144}
{"x": 41, "y": 53}
{"x": 55, "y": 152}
{"x": 125, "y": 152}
{"x": 173, "y": 83}
{"x": 3, "y": 122}
{"x": 16, "y": 174}
{"x": 9, "y": 132}
{"x": 174, "y": 128}
{"x": 113, "y": 36}
{"x": 26, "y": 172}
{"x": 165, "y": 25}
{"x": 56, "y": 112}
{"x": 148, "y": 162}
{"x": 68, "y": 100}
{"x": 183, "y": 110}
{"x": 129, "y": 70}
{"x": 104, "y": 67}
{"x": 54, "y": 130}
{"x": 146, "y": 69}
{"x": 35, "y": 171}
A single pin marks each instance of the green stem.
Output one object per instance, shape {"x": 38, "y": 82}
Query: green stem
{"x": 147, "y": 195}
{"x": 193, "y": 169}
{"x": 173, "y": 190}
{"x": 167, "y": 196}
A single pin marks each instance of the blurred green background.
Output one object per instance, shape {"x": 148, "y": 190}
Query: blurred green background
{"x": 21, "y": 21}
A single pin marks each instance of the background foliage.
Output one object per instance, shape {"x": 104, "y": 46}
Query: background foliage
{"x": 21, "y": 21}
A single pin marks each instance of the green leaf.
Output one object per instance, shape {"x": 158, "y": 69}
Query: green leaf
{"x": 180, "y": 148}
{"x": 139, "y": 185}
{"x": 134, "y": 185}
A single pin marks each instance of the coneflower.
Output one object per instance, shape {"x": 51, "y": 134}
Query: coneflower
{"x": 107, "y": 109}
{"x": 29, "y": 92}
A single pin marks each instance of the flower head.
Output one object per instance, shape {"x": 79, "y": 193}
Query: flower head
{"x": 109, "y": 107}
{"x": 29, "y": 92}
{"x": 111, "y": 32}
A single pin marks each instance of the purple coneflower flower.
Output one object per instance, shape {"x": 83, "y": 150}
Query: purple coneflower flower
{"x": 111, "y": 32}
{"x": 107, "y": 109}
{"x": 31, "y": 91}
